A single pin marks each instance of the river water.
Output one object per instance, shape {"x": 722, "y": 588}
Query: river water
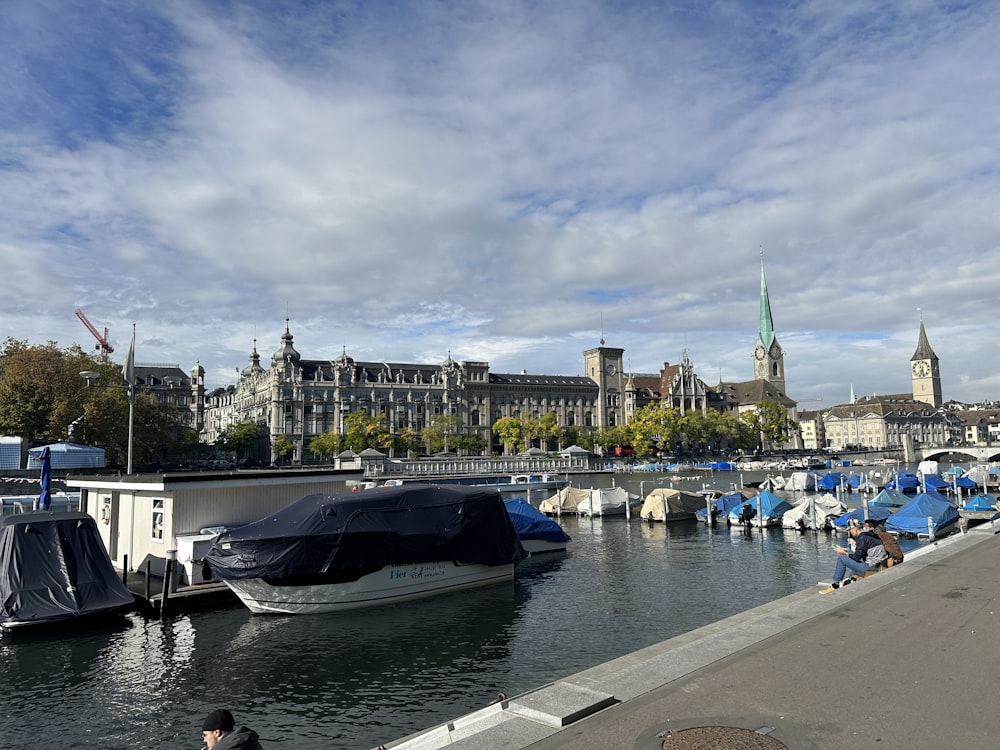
{"x": 359, "y": 679}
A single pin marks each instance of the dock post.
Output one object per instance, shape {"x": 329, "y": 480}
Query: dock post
{"x": 168, "y": 573}
{"x": 930, "y": 528}
{"x": 148, "y": 570}
{"x": 125, "y": 569}
{"x": 709, "y": 516}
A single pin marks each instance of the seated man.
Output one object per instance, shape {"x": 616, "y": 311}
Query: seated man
{"x": 868, "y": 554}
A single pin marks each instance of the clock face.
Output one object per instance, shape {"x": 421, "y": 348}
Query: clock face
{"x": 759, "y": 354}
{"x": 920, "y": 369}
{"x": 610, "y": 370}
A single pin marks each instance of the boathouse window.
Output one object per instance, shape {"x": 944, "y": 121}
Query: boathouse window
{"x": 156, "y": 520}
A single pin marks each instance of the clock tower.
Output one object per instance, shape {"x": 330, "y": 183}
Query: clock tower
{"x": 768, "y": 358}
{"x": 603, "y": 365}
{"x": 925, "y": 372}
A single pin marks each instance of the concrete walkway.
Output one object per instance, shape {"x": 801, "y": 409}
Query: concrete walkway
{"x": 907, "y": 658}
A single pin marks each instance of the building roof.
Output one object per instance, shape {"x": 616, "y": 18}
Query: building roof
{"x": 753, "y": 392}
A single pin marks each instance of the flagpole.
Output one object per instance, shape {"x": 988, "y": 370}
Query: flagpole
{"x": 129, "y": 372}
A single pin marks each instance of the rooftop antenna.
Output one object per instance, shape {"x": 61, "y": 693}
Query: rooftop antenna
{"x": 602, "y": 329}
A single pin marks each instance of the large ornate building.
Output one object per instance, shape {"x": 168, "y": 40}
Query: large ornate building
{"x": 301, "y": 398}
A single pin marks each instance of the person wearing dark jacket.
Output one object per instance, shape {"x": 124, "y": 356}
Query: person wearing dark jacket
{"x": 868, "y": 554}
{"x": 219, "y": 733}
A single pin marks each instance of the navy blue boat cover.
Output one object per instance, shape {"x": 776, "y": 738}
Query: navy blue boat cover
{"x": 331, "y": 537}
{"x": 53, "y": 566}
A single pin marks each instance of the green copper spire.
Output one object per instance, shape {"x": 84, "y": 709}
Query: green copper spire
{"x": 766, "y": 324}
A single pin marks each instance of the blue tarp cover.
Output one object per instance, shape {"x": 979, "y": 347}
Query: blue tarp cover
{"x": 980, "y": 502}
{"x": 771, "y": 505}
{"x": 875, "y": 513}
{"x": 326, "y": 538}
{"x": 904, "y": 481}
{"x": 832, "y": 480}
{"x": 912, "y": 517}
{"x": 724, "y": 504}
{"x": 531, "y": 523}
{"x": 889, "y": 498}
{"x": 53, "y": 566}
{"x": 935, "y": 482}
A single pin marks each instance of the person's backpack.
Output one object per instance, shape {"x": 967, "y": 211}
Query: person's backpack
{"x": 891, "y": 547}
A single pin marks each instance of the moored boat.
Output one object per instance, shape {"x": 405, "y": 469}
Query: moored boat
{"x": 765, "y": 509}
{"x": 537, "y": 532}
{"x": 54, "y": 569}
{"x": 331, "y": 553}
{"x": 927, "y": 514}
{"x": 606, "y": 501}
{"x": 668, "y": 505}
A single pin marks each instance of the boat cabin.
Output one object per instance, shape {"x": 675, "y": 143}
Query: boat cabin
{"x": 148, "y": 517}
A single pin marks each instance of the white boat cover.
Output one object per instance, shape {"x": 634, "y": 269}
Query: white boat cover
{"x": 802, "y": 481}
{"x": 605, "y": 501}
{"x": 813, "y": 513}
{"x": 565, "y": 500}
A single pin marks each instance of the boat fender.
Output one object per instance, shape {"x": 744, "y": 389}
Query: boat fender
{"x": 106, "y": 514}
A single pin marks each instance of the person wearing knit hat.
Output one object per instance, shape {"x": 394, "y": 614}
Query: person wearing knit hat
{"x": 219, "y": 733}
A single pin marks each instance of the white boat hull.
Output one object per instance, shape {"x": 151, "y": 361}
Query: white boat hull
{"x": 391, "y": 584}
{"x": 535, "y": 546}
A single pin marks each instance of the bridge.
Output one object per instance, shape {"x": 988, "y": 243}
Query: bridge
{"x": 960, "y": 454}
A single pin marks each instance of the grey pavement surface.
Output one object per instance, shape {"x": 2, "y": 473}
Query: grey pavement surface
{"x": 908, "y": 658}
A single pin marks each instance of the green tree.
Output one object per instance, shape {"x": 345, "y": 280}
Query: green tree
{"x": 438, "y": 434}
{"x": 326, "y": 445}
{"x": 408, "y": 442}
{"x": 771, "y": 423}
{"x": 242, "y": 439}
{"x": 468, "y": 445}
{"x": 576, "y": 435}
{"x": 657, "y": 424}
{"x": 610, "y": 438}
{"x": 512, "y": 433}
{"x": 283, "y": 447}
{"x": 41, "y": 391}
{"x": 363, "y": 430}
{"x": 543, "y": 429}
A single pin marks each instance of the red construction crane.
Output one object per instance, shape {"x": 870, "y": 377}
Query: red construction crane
{"x": 102, "y": 341}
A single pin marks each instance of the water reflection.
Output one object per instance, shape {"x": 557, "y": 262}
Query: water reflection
{"x": 354, "y": 680}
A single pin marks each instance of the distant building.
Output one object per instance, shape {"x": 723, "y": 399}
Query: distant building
{"x": 302, "y": 398}
{"x": 811, "y": 430}
{"x": 884, "y": 422}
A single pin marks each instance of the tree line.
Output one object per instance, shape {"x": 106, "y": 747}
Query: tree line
{"x": 43, "y": 398}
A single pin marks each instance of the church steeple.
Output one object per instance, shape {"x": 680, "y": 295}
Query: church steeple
{"x": 925, "y": 372}
{"x": 766, "y": 329}
{"x": 769, "y": 360}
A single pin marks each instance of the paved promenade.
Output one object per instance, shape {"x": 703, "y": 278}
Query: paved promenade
{"x": 908, "y": 658}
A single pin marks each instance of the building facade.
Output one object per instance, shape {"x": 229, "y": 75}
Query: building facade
{"x": 302, "y": 398}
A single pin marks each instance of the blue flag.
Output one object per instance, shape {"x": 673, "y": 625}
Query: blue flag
{"x": 45, "y": 496}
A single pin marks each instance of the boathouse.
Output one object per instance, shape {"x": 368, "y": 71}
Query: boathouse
{"x": 144, "y": 517}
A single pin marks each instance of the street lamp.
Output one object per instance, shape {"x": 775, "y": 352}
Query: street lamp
{"x": 90, "y": 376}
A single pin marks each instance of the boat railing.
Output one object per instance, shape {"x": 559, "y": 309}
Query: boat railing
{"x": 476, "y": 466}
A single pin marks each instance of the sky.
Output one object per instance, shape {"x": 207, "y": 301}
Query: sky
{"x": 509, "y": 182}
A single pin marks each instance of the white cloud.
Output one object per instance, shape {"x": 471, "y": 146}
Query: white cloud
{"x": 497, "y": 180}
